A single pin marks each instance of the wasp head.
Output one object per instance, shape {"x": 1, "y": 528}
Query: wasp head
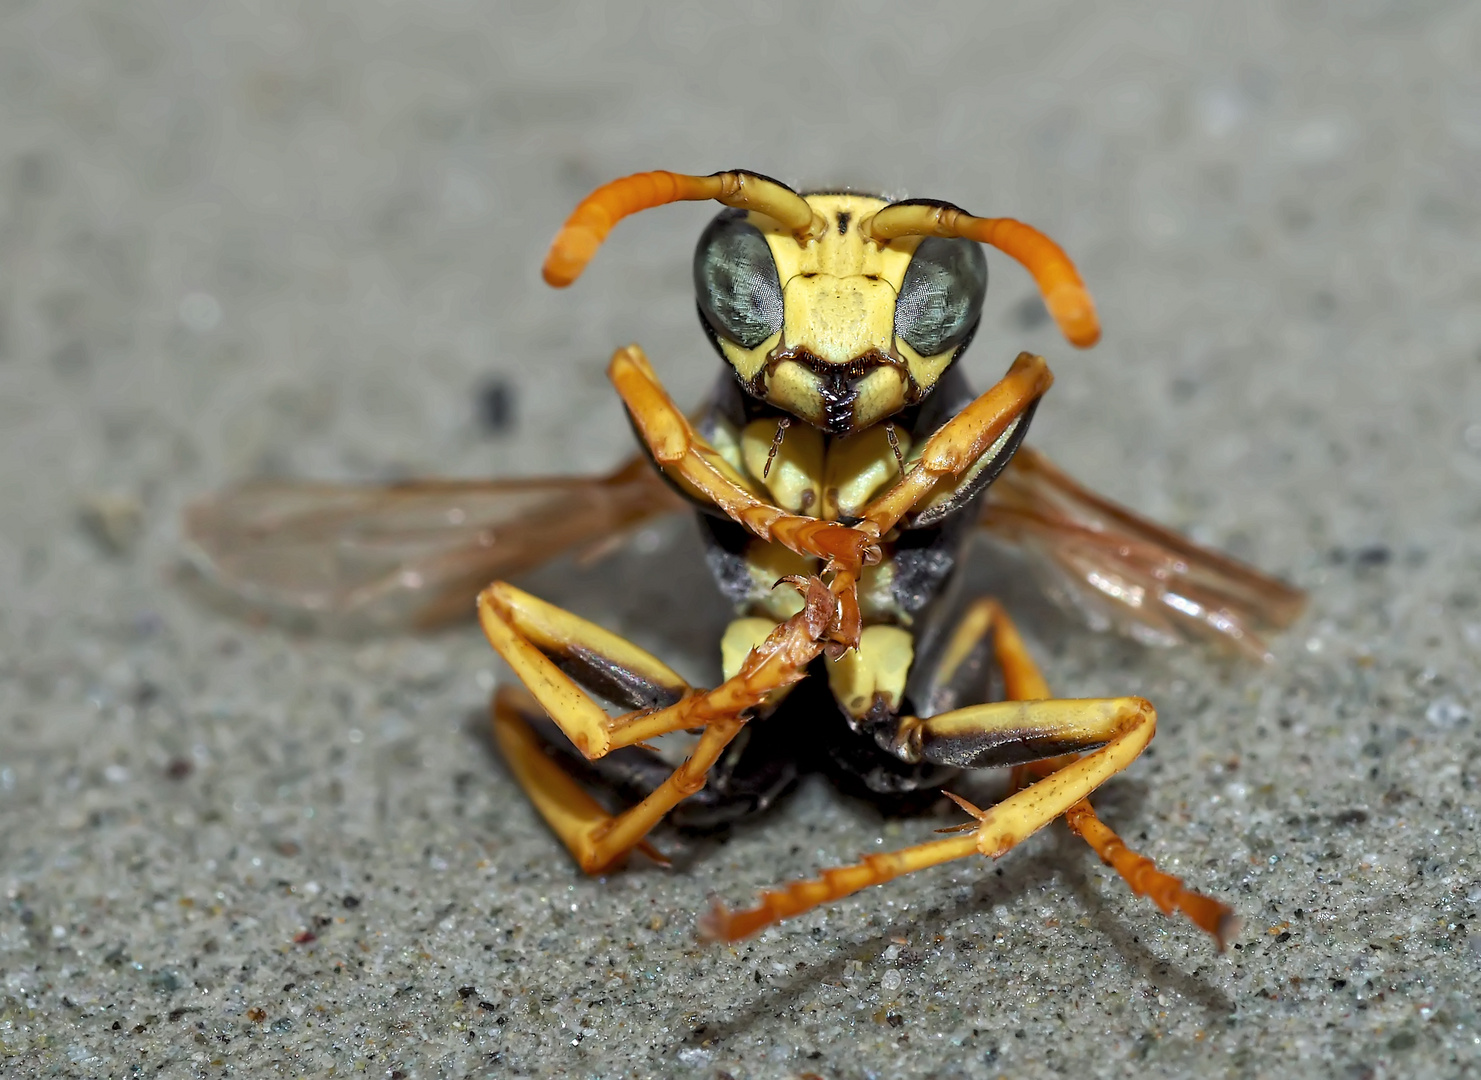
{"x": 840, "y": 331}
{"x": 839, "y": 309}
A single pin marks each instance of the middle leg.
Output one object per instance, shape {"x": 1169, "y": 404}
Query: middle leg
{"x": 533, "y": 636}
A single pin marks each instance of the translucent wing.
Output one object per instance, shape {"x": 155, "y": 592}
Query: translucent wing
{"x": 1120, "y": 570}
{"x": 412, "y": 554}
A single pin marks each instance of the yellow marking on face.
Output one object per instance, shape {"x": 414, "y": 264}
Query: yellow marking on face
{"x": 840, "y": 255}
{"x": 838, "y": 312}
{"x": 924, "y": 370}
{"x": 843, "y": 286}
{"x": 798, "y": 390}
{"x": 838, "y": 296}
{"x": 793, "y": 478}
{"x": 877, "y": 668}
{"x": 801, "y": 391}
{"x": 880, "y": 394}
{"x": 838, "y": 318}
{"x": 749, "y": 362}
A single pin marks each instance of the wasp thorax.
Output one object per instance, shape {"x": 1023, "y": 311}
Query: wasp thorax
{"x": 840, "y": 331}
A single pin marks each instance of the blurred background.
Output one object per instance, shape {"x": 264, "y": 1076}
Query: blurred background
{"x": 242, "y": 239}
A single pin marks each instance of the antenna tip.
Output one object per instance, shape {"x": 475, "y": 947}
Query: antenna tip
{"x": 569, "y": 253}
{"x": 1074, "y": 311}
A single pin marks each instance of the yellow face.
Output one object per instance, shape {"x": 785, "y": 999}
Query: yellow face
{"x": 824, "y": 329}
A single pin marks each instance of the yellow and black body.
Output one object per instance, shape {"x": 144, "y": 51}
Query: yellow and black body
{"x": 838, "y": 472}
{"x": 841, "y": 353}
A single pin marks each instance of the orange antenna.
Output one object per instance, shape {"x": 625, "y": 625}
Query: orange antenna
{"x": 593, "y": 219}
{"x": 1059, "y": 283}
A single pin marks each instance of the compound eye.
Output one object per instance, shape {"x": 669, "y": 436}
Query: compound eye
{"x": 735, "y": 279}
{"x": 940, "y": 299}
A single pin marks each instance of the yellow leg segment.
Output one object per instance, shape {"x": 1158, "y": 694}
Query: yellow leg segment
{"x": 521, "y": 627}
{"x": 527, "y": 632}
{"x": 688, "y": 458}
{"x": 1126, "y": 725}
{"x": 696, "y": 466}
{"x": 569, "y": 810}
{"x": 1140, "y": 873}
{"x": 959, "y": 443}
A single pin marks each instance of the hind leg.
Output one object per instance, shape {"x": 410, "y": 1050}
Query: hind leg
{"x": 1030, "y": 727}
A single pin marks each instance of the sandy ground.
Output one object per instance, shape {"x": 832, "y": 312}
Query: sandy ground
{"x": 242, "y": 239}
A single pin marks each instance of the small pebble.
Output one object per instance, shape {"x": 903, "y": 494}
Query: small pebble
{"x": 113, "y": 519}
{"x": 1447, "y": 713}
{"x": 496, "y": 406}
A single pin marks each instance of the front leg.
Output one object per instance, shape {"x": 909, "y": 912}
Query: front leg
{"x": 685, "y": 456}
{"x": 970, "y": 447}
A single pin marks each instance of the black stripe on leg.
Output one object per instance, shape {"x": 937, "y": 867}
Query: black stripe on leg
{"x": 612, "y": 681}
{"x": 747, "y": 780}
{"x": 998, "y": 748}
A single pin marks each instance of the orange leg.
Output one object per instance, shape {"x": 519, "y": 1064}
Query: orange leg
{"x": 1024, "y": 680}
{"x": 684, "y": 454}
{"x": 963, "y": 442}
{"x": 527, "y": 632}
{"x": 690, "y": 461}
{"x": 567, "y": 807}
{"x": 1141, "y": 873}
{"x": 1122, "y": 726}
{"x": 949, "y": 459}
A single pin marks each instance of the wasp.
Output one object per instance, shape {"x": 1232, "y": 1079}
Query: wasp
{"x": 839, "y": 473}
